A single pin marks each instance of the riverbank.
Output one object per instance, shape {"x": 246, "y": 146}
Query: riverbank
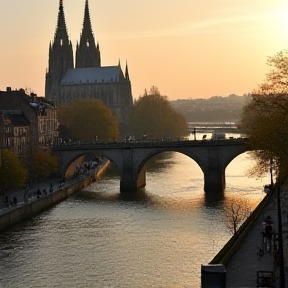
{"x": 241, "y": 257}
{"x": 30, "y": 204}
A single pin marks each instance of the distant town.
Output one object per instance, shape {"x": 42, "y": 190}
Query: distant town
{"x": 214, "y": 109}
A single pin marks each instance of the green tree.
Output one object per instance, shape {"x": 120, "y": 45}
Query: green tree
{"x": 12, "y": 172}
{"x": 153, "y": 115}
{"x": 87, "y": 119}
{"x": 265, "y": 119}
{"x": 44, "y": 163}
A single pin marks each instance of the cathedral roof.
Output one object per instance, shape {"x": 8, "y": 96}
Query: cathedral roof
{"x": 92, "y": 75}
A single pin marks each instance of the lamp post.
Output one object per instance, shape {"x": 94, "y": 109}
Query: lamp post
{"x": 271, "y": 172}
{"x": 194, "y": 133}
{"x": 280, "y": 233}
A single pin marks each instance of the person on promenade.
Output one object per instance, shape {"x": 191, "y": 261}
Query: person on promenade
{"x": 60, "y": 185}
{"x": 26, "y": 194}
{"x": 268, "y": 220}
{"x": 15, "y": 201}
{"x": 269, "y": 231}
{"x": 7, "y": 200}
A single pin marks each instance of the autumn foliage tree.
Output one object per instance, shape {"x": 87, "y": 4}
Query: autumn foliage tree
{"x": 12, "y": 172}
{"x": 153, "y": 115}
{"x": 86, "y": 119}
{"x": 44, "y": 163}
{"x": 265, "y": 119}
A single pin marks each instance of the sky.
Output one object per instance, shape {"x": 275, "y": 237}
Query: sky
{"x": 186, "y": 48}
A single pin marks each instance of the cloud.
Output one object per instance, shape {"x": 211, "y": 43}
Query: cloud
{"x": 220, "y": 24}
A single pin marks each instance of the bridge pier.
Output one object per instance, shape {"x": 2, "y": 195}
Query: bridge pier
{"x": 130, "y": 185}
{"x": 214, "y": 180}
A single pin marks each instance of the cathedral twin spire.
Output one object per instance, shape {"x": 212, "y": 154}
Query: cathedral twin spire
{"x": 61, "y": 36}
{"x": 87, "y": 52}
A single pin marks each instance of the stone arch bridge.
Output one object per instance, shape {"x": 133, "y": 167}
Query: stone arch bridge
{"x": 130, "y": 158}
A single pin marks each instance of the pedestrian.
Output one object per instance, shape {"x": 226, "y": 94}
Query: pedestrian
{"x": 26, "y": 195}
{"x": 7, "y": 200}
{"x": 15, "y": 201}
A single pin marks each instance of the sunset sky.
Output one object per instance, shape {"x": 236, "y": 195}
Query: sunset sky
{"x": 187, "y": 48}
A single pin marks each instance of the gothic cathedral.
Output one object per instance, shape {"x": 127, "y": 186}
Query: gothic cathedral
{"x": 88, "y": 79}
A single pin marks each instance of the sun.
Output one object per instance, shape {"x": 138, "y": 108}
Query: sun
{"x": 281, "y": 16}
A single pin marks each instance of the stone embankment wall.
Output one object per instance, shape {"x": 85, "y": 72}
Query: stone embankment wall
{"x": 233, "y": 244}
{"x": 26, "y": 211}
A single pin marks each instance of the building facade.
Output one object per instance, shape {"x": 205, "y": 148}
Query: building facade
{"x": 87, "y": 79}
{"x": 26, "y": 121}
{"x": 15, "y": 132}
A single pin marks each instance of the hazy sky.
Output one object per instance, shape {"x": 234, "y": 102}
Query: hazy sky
{"x": 187, "y": 48}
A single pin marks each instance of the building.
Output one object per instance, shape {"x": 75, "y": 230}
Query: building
{"x": 15, "y": 132}
{"x": 88, "y": 79}
{"x": 26, "y": 121}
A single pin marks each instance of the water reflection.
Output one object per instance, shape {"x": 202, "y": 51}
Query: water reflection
{"x": 97, "y": 238}
{"x": 213, "y": 199}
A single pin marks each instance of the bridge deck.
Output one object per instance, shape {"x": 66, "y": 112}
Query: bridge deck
{"x": 154, "y": 144}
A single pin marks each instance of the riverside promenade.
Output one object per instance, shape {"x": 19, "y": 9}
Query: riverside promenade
{"x": 30, "y": 196}
{"x": 241, "y": 269}
{"x": 32, "y": 193}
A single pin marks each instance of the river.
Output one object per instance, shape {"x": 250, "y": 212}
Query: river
{"x": 97, "y": 239}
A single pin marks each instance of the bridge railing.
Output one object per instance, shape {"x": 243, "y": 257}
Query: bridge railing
{"x": 151, "y": 143}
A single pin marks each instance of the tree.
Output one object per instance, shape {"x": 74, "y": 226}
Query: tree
{"x": 44, "y": 163}
{"x": 265, "y": 119}
{"x": 153, "y": 115}
{"x": 237, "y": 211}
{"x": 88, "y": 119}
{"x": 12, "y": 172}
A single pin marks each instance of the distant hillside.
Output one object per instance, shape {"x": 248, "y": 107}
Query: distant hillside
{"x": 214, "y": 109}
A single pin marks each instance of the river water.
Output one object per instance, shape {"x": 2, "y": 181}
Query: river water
{"x": 97, "y": 239}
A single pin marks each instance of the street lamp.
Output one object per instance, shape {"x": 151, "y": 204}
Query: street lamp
{"x": 271, "y": 172}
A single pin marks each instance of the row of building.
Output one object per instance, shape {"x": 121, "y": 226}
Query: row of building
{"x": 28, "y": 120}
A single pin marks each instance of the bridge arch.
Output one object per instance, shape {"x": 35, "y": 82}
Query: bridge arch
{"x": 67, "y": 164}
{"x": 147, "y": 157}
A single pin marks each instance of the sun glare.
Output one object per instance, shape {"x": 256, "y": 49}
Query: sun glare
{"x": 282, "y": 18}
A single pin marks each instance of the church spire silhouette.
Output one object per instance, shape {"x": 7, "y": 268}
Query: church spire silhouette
{"x": 87, "y": 53}
{"x": 127, "y": 77}
{"x": 60, "y": 54}
{"x": 61, "y": 35}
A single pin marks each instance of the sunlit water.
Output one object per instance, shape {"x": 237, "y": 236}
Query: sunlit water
{"x": 97, "y": 239}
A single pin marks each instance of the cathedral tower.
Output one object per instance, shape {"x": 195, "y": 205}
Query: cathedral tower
{"x": 60, "y": 57}
{"x": 87, "y": 53}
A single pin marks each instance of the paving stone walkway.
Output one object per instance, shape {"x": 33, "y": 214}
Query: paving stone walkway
{"x": 241, "y": 270}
